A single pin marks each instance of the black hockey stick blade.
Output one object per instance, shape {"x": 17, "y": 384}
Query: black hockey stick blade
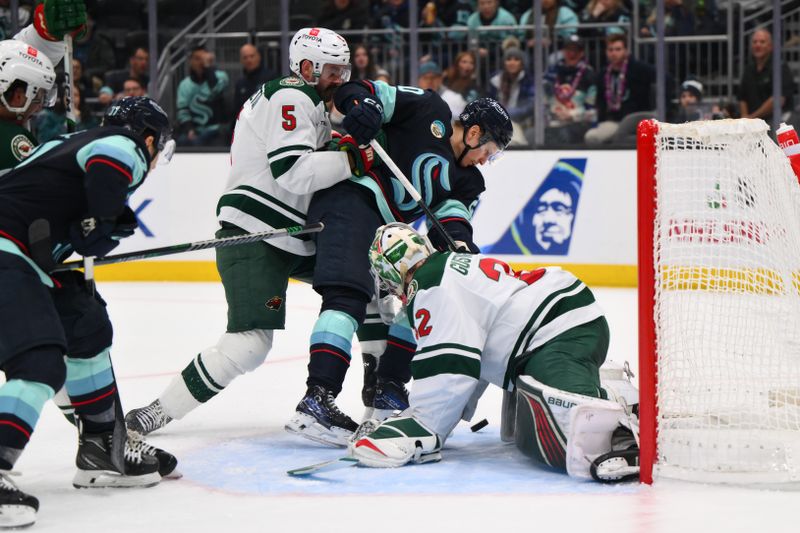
{"x": 192, "y": 246}
{"x": 327, "y": 466}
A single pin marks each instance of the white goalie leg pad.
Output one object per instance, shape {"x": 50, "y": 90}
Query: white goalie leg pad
{"x": 591, "y": 427}
{"x": 397, "y": 441}
{"x": 233, "y": 355}
{"x": 548, "y": 420}
{"x": 616, "y": 378}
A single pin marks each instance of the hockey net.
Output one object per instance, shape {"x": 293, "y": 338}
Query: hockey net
{"x": 719, "y": 292}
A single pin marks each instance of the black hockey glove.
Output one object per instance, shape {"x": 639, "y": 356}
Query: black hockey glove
{"x": 364, "y": 120}
{"x": 98, "y": 236}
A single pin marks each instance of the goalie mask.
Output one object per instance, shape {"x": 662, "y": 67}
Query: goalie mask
{"x": 25, "y": 66}
{"x": 325, "y": 49}
{"x": 394, "y": 251}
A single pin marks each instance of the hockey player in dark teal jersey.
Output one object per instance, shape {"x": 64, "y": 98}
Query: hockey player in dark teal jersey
{"x": 440, "y": 159}
{"x": 77, "y": 185}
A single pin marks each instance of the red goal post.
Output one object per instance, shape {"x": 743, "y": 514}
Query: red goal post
{"x": 719, "y": 304}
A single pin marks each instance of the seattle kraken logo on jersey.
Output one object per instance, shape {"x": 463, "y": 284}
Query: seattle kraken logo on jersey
{"x": 545, "y": 224}
{"x": 427, "y": 170}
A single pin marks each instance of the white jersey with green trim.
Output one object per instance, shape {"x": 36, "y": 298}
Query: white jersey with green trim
{"x": 275, "y": 162}
{"x": 472, "y": 316}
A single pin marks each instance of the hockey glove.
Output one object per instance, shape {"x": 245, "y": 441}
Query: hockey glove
{"x": 361, "y": 159}
{"x": 97, "y": 237}
{"x": 53, "y": 19}
{"x": 364, "y": 120}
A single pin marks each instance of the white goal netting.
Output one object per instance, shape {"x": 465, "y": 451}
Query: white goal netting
{"x": 727, "y": 307}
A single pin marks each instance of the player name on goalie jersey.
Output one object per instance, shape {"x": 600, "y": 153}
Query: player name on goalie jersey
{"x": 506, "y": 313}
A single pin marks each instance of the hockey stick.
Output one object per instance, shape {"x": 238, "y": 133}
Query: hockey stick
{"x": 68, "y": 81}
{"x": 327, "y": 466}
{"x": 413, "y": 192}
{"x": 192, "y": 246}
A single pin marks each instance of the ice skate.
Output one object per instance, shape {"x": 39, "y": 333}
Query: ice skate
{"x": 96, "y": 467}
{"x": 390, "y": 396}
{"x": 319, "y": 419}
{"x": 145, "y": 420}
{"x": 17, "y": 509}
{"x": 167, "y": 463}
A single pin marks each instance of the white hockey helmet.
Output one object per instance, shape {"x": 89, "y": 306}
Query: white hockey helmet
{"x": 322, "y": 47}
{"x": 395, "y": 249}
{"x": 22, "y": 62}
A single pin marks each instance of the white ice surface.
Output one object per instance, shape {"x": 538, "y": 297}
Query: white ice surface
{"x": 234, "y": 452}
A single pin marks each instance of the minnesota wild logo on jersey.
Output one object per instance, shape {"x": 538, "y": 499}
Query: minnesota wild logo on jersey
{"x": 16, "y": 143}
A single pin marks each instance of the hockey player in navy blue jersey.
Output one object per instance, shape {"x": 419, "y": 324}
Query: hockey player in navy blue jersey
{"x": 440, "y": 159}
{"x": 70, "y": 195}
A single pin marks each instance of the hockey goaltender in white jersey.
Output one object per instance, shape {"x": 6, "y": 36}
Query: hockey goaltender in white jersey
{"x": 540, "y": 334}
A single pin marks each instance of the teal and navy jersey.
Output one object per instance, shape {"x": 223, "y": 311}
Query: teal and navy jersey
{"x": 473, "y": 316}
{"x": 85, "y": 174}
{"x": 418, "y": 126}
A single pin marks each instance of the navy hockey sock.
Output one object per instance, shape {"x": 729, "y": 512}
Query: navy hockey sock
{"x": 93, "y": 391}
{"x": 331, "y": 342}
{"x": 21, "y": 402}
{"x": 395, "y": 363}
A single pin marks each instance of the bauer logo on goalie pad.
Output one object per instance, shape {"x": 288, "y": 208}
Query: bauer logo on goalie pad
{"x": 274, "y": 303}
{"x": 544, "y": 226}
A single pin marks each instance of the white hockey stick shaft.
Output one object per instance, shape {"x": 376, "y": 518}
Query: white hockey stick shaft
{"x": 413, "y": 192}
{"x": 68, "y": 81}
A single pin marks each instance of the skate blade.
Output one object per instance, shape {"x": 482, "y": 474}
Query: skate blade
{"x": 16, "y": 516}
{"x": 175, "y": 474}
{"x": 307, "y": 427}
{"x": 91, "y": 479}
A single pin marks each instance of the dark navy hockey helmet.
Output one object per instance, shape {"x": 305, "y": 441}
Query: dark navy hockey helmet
{"x": 141, "y": 115}
{"x": 491, "y": 117}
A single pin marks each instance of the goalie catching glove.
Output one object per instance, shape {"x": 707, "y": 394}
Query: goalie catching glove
{"x": 98, "y": 236}
{"x": 397, "y": 441}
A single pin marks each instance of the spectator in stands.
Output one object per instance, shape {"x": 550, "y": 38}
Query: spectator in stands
{"x": 344, "y": 15}
{"x": 393, "y": 15}
{"x": 453, "y": 12}
{"x": 624, "y": 88}
{"x": 570, "y": 95}
{"x": 555, "y": 14}
{"x": 254, "y": 74}
{"x": 95, "y": 51}
{"x": 133, "y": 87}
{"x": 430, "y": 77}
{"x": 605, "y": 11}
{"x": 52, "y": 122}
{"x": 105, "y": 96}
{"x": 23, "y": 17}
{"x": 364, "y": 67}
{"x": 689, "y": 104}
{"x": 138, "y": 68}
{"x": 200, "y": 101}
{"x": 384, "y": 76}
{"x": 513, "y": 87}
{"x": 84, "y": 84}
{"x": 490, "y": 13}
{"x": 755, "y": 86}
{"x": 678, "y": 20}
{"x": 461, "y": 78}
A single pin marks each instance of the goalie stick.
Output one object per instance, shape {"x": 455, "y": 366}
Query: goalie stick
{"x": 192, "y": 246}
{"x": 413, "y": 192}
{"x": 327, "y": 466}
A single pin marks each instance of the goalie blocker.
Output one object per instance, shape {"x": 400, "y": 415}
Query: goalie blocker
{"x": 583, "y": 436}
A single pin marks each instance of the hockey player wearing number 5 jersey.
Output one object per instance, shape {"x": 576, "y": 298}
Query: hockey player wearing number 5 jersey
{"x": 475, "y": 319}
{"x": 440, "y": 158}
{"x": 279, "y": 157}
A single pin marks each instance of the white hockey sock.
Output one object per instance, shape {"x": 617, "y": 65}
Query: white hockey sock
{"x": 213, "y": 369}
